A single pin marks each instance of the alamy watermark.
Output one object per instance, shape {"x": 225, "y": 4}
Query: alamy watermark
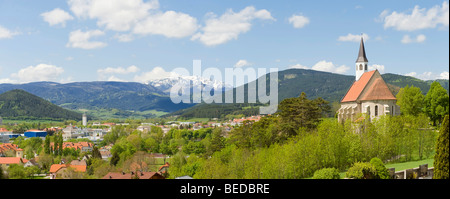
{"x": 182, "y": 93}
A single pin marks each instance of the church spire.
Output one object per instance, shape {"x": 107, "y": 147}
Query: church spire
{"x": 362, "y": 52}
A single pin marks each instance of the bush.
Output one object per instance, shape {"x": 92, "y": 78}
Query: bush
{"x": 381, "y": 171}
{"x": 326, "y": 173}
{"x": 441, "y": 163}
{"x": 361, "y": 170}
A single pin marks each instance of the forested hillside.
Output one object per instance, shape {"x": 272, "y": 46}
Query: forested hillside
{"x": 19, "y": 104}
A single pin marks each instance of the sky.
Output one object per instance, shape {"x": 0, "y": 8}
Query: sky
{"x": 142, "y": 40}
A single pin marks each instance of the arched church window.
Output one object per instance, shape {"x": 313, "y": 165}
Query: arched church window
{"x": 360, "y": 67}
{"x": 376, "y": 110}
{"x": 365, "y": 67}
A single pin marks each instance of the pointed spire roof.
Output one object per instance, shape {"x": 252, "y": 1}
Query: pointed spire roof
{"x": 362, "y": 52}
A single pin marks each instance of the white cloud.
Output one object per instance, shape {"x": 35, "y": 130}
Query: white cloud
{"x": 40, "y": 72}
{"x": 379, "y": 67}
{"x": 56, "y": 16}
{"x": 298, "y": 21}
{"x": 419, "y": 39}
{"x": 242, "y": 63}
{"x": 444, "y": 75}
{"x": 354, "y": 38}
{"x": 325, "y": 67}
{"x": 117, "y": 15}
{"x": 6, "y": 34}
{"x": 155, "y": 74}
{"x": 419, "y": 18}
{"x": 170, "y": 24}
{"x": 299, "y": 66}
{"x": 79, "y": 39}
{"x": 119, "y": 70}
{"x": 429, "y": 75}
{"x": 219, "y": 30}
{"x": 124, "y": 37}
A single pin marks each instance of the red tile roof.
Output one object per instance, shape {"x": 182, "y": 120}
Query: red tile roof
{"x": 128, "y": 175}
{"x": 56, "y": 167}
{"x": 378, "y": 91}
{"x": 9, "y": 146}
{"x": 12, "y": 160}
{"x": 357, "y": 87}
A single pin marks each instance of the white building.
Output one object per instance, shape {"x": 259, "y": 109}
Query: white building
{"x": 84, "y": 119}
{"x": 369, "y": 94}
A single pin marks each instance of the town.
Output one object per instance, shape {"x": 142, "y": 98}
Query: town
{"x": 84, "y": 138}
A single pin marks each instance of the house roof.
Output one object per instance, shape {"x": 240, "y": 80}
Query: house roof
{"x": 379, "y": 90}
{"x": 12, "y": 160}
{"x": 9, "y": 146}
{"x": 56, "y": 167}
{"x": 357, "y": 87}
{"x": 129, "y": 175}
{"x": 165, "y": 165}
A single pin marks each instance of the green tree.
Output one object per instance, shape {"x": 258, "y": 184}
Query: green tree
{"x": 96, "y": 153}
{"x": 301, "y": 112}
{"x": 410, "y": 100}
{"x": 327, "y": 173}
{"x": 114, "y": 159}
{"x": 436, "y": 102}
{"x": 441, "y": 158}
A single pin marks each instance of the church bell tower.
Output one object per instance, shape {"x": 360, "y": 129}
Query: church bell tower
{"x": 361, "y": 62}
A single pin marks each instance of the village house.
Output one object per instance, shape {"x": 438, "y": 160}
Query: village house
{"x": 63, "y": 170}
{"x": 5, "y": 162}
{"x": 12, "y": 149}
{"x": 368, "y": 95}
{"x": 82, "y": 146}
{"x": 133, "y": 175}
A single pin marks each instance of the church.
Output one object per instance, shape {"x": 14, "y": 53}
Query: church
{"x": 368, "y": 95}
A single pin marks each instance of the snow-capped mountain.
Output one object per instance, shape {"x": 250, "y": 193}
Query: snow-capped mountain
{"x": 165, "y": 84}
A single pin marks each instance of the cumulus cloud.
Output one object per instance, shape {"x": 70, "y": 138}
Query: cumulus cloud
{"x": 40, "y": 72}
{"x": 119, "y": 70}
{"x": 170, "y": 24}
{"x": 325, "y": 67}
{"x": 80, "y": 39}
{"x": 155, "y": 74}
{"x": 419, "y": 18}
{"x": 229, "y": 26}
{"x": 56, "y": 16}
{"x": 117, "y": 15}
{"x": 242, "y": 63}
{"x": 419, "y": 39}
{"x": 429, "y": 75}
{"x": 298, "y": 21}
{"x": 6, "y": 34}
{"x": 378, "y": 67}
{"x": 354, "y": 38}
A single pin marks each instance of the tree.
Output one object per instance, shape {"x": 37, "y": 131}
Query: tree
{"x": 361, "y": 170}
{"x": 410, "y": 100}
{"x": 301, "y": 112}
{"x": 436, "y": 102}
{"x": 114, "y": 159}
{"x": 441, "y": 158}
{"x": 96, "y": 153}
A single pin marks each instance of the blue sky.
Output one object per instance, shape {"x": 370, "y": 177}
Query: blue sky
{"x": 141, "y": 40}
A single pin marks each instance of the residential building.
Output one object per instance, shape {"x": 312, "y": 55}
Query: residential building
{"x": 5, "y": 162}
{"x": 133, "y": 175}
{"x": 12, "y": 148}
{"x": 61, "y": 170}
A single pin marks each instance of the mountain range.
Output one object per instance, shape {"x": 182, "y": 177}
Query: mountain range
{"x": 132, "y": 99}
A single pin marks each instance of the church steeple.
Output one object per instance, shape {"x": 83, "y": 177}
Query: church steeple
{"x": 361, "y": 61}
{"x": 362, "y": 52}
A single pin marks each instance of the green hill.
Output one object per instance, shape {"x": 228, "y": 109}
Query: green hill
{"x": 21, "y": 105}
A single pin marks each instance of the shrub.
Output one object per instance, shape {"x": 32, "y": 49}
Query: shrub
{"x": 361, "y": 170}
{"x": 382, "y": 171}
{"x": 441, "y": 164}
{"x": 326, "y": 173}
